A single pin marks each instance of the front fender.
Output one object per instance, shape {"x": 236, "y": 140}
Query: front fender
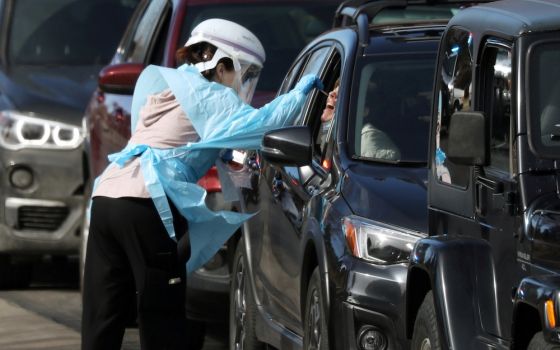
{"x": 461, "y": 274}
{"x": 535, "y": 292}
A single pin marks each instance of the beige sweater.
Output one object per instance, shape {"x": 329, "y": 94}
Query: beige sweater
{"x": 162, "y": 124}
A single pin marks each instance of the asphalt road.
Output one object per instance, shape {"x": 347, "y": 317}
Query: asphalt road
{"x": 51, "y": 308}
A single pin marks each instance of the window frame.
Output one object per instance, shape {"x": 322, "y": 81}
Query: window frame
{"x": 440, "y": 103}
{"x": 487, "y": 101}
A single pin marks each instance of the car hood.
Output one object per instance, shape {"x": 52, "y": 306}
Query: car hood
{"x": 389, "y": 194}
{"x": 58, "y": 93}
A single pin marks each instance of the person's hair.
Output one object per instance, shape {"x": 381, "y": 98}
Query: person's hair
{"x": 201, "y": 52}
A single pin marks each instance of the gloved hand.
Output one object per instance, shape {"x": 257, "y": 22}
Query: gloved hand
{"x": 308, "y": 82}
{"x": 440, "y": 156}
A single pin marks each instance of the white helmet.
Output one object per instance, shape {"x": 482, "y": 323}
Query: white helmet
{"x": 237, "y": 43}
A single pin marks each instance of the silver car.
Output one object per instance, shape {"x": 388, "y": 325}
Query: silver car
{"x": 50, "y": 54}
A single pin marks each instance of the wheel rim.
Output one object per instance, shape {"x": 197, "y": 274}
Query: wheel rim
{"x": 240, "y": 306}
{"x": 314, "y": 322}
{"x": 425, "y": 344}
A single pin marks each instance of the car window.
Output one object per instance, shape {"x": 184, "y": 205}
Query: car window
{"x": 390, "y": 113}
{"x": 283, "y": 28}
{"x": 293, "y": 75}
{"x": 544, "y": 96}
{"x": 417, "y": 13}
{"x": 71, "y": 32}
{"x": 497, "y": 74}
{"x": 322, "y": 113}
{"x": 454, "y": 94}
{"x": 138, "y": 49}
{"x": 313, "y": 66}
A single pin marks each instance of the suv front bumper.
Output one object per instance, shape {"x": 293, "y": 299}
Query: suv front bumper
{"x": 20, "y": 214}
{"x": 44, "y": 217}
{"x": 375, "y": 298}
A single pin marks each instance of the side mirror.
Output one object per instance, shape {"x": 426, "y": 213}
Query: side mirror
{"x": 120, "y": 78}
{"x": 468, "y": 140}
{"x": 292, "y": 146}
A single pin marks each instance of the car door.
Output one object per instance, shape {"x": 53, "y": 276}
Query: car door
{"x": 496, "y": 195}
{"x": 480, "y": 201}
{"x": 282, "y": 199}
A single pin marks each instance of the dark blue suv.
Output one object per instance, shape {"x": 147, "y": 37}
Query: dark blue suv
{"x": 341, "y": 203}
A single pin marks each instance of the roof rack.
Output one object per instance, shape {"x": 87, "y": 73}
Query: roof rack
{"x": 361, "y": 13}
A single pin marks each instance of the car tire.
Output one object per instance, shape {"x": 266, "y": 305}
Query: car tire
{"x": 316, "y": 334}
{"x": 14, "y": 276}
{"x": 196, "y": 334}
{"x": 539, "y": 343}
{"x": 426, "y": 334}
{"x": 242, "y": 307}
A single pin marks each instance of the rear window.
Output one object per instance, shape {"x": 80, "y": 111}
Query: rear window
{"x": 283, "y": 29}
{"x": 66, "y": 32}
{"x": 390, "y": 113}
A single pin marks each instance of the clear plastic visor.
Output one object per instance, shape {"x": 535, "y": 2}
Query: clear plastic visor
{"x": 246, "y": 74}
{"x": 246, "y": 81}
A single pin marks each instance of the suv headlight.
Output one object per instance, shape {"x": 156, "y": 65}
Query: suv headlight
{"x": 377, "y": 242}
{"x": 24, "y": 130}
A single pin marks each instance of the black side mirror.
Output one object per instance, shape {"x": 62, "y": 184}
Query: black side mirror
{"x": 292, "y": 146}
{"x": 468, "y": 139}
{"x": 120, "y": 78}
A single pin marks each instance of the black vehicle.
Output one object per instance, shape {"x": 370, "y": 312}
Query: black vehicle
{"x": 489, "y": 277}
{"x": 324, "y": 263}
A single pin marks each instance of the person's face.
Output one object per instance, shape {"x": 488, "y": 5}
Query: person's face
{"x": 224, "y": 76}
{"x": 328, "y": 112}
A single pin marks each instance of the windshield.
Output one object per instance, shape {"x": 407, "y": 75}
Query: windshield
{"x": 66, "y": 32}
{"x": 545, "y": 96}
{"x": 283, "y": 29}
{"x": 390, "y": 114}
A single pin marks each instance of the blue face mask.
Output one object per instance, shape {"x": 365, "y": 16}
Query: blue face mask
{"x": 223, "y": 121}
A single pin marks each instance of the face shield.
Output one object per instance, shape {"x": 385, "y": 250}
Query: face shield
{"x": 246, "y": 80}
{"x": 246, "y": 74}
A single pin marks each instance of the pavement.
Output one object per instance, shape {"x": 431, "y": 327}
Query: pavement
{"x": 21, "y": 329}
{"x": 24, "y": 330}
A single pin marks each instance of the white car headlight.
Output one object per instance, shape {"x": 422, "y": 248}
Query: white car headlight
{"x": 24, "y": 130}
{"x": 377, "y": 242}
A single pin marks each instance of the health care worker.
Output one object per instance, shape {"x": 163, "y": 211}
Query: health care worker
{"x": 146, "y": 200}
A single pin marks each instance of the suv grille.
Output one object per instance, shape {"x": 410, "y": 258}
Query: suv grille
{"x": 41, "y": 218}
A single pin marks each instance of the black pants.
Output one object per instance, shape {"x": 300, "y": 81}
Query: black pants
{"x": 129, "y": 251}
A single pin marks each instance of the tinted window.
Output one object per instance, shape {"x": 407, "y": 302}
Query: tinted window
{"x": 497, "y": 74}
{"x": 545, "y": 96}
{"x": 454, "y": 95}
{"x": 137, "y": 50}
{"x": 391, "y": 111}
{"x": 283, "y": 29}
{"x": 416, "y": 13}
{"x": 73, "y": 32}
{"x": 313, "y": 66}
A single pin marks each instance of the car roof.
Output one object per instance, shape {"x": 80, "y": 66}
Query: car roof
{"x": 511, "y": 17}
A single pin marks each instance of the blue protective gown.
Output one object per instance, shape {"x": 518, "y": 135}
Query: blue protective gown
{"x": 222, "y": 120}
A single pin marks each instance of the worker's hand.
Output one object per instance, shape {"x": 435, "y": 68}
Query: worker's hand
{"x": 308, "y": 82}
